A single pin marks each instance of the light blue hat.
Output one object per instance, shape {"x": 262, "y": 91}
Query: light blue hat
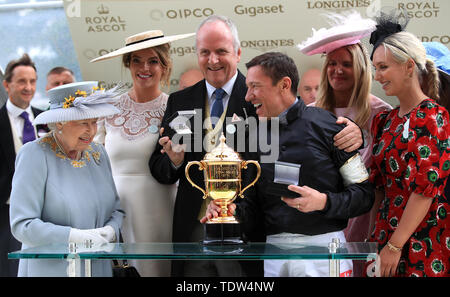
{"x": 439, "y": 54}
{"x": 78, "y": 101}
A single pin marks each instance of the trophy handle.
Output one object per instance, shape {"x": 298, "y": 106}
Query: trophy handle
{"x": 244, "y": 166}
{"x": 186, "y": 171}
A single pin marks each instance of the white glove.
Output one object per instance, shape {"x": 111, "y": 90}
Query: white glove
{"x": 80, "y": 236}
{"x": 107, "y": 233}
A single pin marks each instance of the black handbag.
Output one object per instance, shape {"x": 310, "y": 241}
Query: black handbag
{"x": 123, "y": 269}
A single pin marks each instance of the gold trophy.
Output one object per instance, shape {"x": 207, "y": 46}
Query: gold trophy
{"x": 222, "y": 174}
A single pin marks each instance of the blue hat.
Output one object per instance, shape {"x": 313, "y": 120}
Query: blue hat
{"x": 439, "y": 54}
{"x": 78, "y": 101}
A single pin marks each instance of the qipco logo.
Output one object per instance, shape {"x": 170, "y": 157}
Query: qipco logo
{"x": 189, "y": 13}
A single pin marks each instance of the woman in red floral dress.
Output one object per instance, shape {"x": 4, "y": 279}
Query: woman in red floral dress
{"x": 410, "y": 162}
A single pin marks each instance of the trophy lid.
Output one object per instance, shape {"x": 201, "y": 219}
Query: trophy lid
{"x": 222, "y": 153}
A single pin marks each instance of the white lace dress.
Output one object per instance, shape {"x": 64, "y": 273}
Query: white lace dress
{"x": 130, "y": 138}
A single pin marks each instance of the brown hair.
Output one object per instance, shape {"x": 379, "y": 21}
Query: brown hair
{"x": 276, "y": 66}
{"x": 163, "y": 53}
{"x": 25, "y": 60}
{"x": 59, "y": 70}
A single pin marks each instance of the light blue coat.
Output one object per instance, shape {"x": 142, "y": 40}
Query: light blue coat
{"x": 51, "y": 194}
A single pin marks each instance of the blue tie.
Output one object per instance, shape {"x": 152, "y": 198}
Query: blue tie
{"x": 28, "y": 130}
{"x": 217, "y": 108}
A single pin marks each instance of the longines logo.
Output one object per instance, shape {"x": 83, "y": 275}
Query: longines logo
{"x": 267, "y": 44}
{"x": 418, "y": 10}
{"x": 336, "y": 4}
{"x": 104, "y": 22}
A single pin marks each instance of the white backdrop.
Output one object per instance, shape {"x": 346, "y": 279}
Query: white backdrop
{"x": 98, "y": 27}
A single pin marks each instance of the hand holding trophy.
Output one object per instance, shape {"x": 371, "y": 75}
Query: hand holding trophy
{"x": 222, "y": 174}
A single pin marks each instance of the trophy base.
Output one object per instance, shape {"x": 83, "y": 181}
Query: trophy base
{"x": 222, "y": 234}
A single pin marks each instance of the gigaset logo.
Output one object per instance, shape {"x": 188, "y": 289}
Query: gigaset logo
{"x": 104, "y": 22}
{"x": 256, "y": 10}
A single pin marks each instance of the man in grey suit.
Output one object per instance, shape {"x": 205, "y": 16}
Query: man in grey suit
{"x": 15, "y": 123}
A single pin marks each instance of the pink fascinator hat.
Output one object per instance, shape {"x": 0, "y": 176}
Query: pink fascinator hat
{"x": 345, "y": 29}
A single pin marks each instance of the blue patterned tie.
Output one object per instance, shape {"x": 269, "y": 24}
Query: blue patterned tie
{"x": 28, "y": 130}
{"x": 217, "y": 108}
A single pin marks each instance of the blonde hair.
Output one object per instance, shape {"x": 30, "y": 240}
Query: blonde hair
{"x": 404, "y": 46}
{"x": 360, "y": 98}
{"x": 163, "y": 53}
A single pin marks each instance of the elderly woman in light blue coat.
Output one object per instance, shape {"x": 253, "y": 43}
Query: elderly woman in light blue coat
{"x": 62, "y": 189}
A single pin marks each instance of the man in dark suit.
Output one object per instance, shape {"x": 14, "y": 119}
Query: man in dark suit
{"x": 218, "y": 52}
{"x": 20, "y": 84}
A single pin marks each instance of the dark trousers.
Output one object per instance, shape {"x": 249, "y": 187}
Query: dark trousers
{"x": 210, "y": 268}
{"x": 8, "y": 268}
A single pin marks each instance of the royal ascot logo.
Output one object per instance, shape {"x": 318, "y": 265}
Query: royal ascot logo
{"x": 419, "y": 10}
{"x": 264, "y": 45}
{"x": 254, "y": 11}
{"x": 337, "y": 4}
{"x": 104, "y": 22}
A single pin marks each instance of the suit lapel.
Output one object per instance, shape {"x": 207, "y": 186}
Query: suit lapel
{"x": 42, "y": 128}
{"x": 237, "y": 98}
{"x": 7, "y": 143}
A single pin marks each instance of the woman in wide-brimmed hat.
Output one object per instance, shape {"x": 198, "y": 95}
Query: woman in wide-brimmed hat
{"x": 130, "y": 138}
{"x": 62, "y": 189}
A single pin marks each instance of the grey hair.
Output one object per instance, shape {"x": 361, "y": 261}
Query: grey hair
{"x": 229, "y": 23}
{"x": 52, "y": 126}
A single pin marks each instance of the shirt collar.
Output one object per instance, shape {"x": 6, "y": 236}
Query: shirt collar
{"x": 282, "y": 116}
{"x": 227, "y": 87}
{"x": 16, "y": 111}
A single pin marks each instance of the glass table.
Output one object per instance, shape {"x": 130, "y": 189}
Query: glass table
{"x": 75, "y": 253}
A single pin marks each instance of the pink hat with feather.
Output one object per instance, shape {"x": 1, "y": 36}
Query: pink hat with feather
{"x": 346, "y": 29}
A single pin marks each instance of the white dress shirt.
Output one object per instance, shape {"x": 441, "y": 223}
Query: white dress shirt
{"x": 228, "y": 87}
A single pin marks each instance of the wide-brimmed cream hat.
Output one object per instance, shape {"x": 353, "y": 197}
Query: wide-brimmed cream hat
{"x": 143, "y": 40}
{"x": 79, "y": 101}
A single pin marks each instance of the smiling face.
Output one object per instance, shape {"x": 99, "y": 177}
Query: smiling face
{"x": 76, "y": 136}
{"x": 340, "y": 70}
{"x": 390, "y": 74}
{"x": 145, "y": 67}
{"x": 217, "y": 57}
{"x": 266, "y": 97}
{"x": 22, "y": 86}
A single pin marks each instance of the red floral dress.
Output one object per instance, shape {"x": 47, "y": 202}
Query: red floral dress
{"x": 411, "y": 154}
